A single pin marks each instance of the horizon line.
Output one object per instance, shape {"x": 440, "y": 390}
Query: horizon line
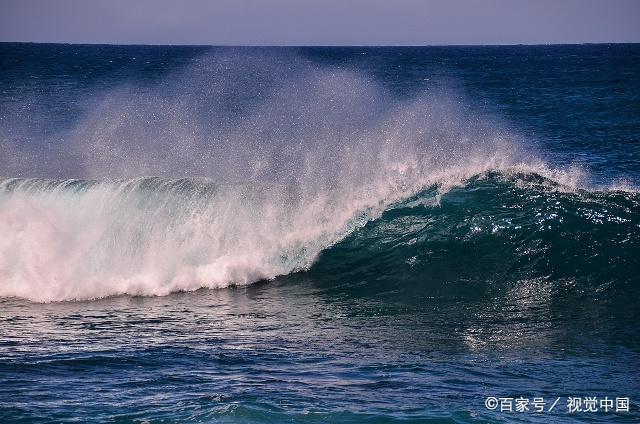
{"x": 318, "y": 45}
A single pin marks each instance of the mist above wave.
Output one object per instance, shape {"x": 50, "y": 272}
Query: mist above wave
{"x": 251, "y": 115}
{"x": 299, "y": 156}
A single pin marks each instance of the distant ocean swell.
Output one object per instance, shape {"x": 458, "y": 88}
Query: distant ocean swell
{"x": 79, "y": 239}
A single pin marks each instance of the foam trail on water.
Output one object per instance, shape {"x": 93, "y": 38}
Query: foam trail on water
{"x": 259, "y": 164}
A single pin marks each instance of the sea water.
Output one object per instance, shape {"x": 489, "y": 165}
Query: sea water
{"x": 210, "y": 234}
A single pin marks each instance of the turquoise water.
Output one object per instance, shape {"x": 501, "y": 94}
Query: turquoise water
{"x": 193, "y": 234}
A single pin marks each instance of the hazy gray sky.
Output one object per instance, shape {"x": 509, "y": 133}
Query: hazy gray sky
{"x": 320, "y": 22}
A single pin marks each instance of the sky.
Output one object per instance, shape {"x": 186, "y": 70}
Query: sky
{"x": 315, "y": 22}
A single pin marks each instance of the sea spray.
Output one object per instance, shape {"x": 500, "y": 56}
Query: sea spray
{"x": 181, "y": 184}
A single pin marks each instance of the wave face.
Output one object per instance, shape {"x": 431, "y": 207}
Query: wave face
{"x": 497, "y": 231}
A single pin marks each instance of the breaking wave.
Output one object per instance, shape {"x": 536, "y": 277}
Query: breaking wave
{"x": 79, "y": 239}
{"x": 258, "y": 165}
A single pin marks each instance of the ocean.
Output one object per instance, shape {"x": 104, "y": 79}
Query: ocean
{"x": 319, "y": 235}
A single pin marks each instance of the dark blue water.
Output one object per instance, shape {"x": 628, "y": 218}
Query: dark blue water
{"x": 193, "y": 234}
